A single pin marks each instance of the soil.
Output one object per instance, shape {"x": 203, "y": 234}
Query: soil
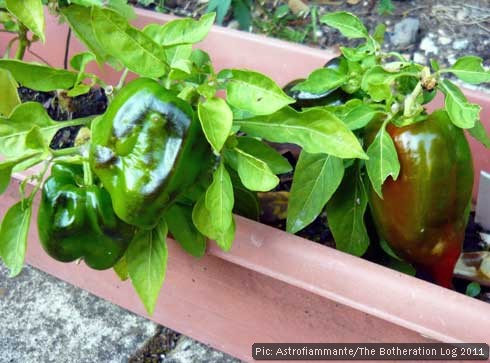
{"x": 448, "y": 29}
{"x": 60, "y": 107}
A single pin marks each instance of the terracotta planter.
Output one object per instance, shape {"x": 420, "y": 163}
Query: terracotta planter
{"x": 273, "y": 286}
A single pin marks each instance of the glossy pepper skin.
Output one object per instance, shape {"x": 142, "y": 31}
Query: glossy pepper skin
{"x": 423, "y": 213}
{"x": 77, "y": 221}
{"x": 147, "y": 149}
{"x": 306, "y": 99}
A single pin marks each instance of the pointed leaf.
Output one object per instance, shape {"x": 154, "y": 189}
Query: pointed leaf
{"x": 345, "y": 214}
{"x": 30, "y": 13}
{"x": 383, "y": 160}
{"x": 180, "y": 225}
{"x": 39, "y": 77}
{"x": 470, "y": 69}
{"x": 316, "y": 178}
{"x": 181, "y": 31}
{"x": 480, "y": 134}
{"x": 315, "y": 130}
{"x": 121, "y": 268}
{"x": 20, "y": 134}
{"x": 321, "y": 80}
{"x": 138, "y": 52}
{"x": 254, "y": 92}
{"x": 275, "y": 161}
{"x": 147, "y": 262}
{"x": 254, "y": 173}
{"x": 219, "y": 200}
{"x": 9, "y": 98}
{"x": 201, "y": 216}
{"x": 462, "y": 113}
{"x": 348, "y": 24}
{"x": 13, "y": 236}
{"x": 80, "y": 20}
{"x": 216, "y": 121}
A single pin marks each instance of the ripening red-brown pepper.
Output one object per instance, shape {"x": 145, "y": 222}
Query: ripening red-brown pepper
{"x": 423, "y": 213}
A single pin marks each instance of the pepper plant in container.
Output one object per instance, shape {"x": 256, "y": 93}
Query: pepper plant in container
{"x": 167, "y": 156}
{"x": 418, "y": 178}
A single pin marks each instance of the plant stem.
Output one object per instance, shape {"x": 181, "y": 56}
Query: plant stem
{"x": 87, "y": 174}
{"x": 411, "y": 99}
{"x": 67, "y": 48}
{"x": 23, "y": 42}
{"x": 122, "y": 80}
{"x": 40, "y": 178}
{"x": 65, "y": 151}
{"x": 77, "y": 122}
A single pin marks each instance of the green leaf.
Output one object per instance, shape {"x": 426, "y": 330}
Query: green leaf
{"x": 345, "y": 214}
{"x": 147, "y": 262}
{"x": 316, "y": 178}
{"x": 219, "y": 200}
{"x": 180, "y": 225}
{"x": 385, "y": 7}
{"x": 178, "y": 57}
{"x": 9, "y": 98}
{"x": 123, "y": 8}
{"x": 10, "y": 165}
{"x": 121, "y": 268}
{"x": 315, "y": 130}
{"x": 388, "y": 250}
{"x": 201, "y": 216}
{"x": 243, "y": 14}
{"x": 462, "y": 113}
{"x": 19, "y": 134}
{"x": 79, "y": 89}
{"x": 348, "y": 24}
{"x": 480, "y": 134}
{"x": 80, "y": 20}
{"x": 254, "y": 173}
{"x": 216, "y": 120}
{"x": 221, "y": 7}
{"x": 470, "y": 69}
{"x": 181, "y": 31}
{"x": 138, "y": 52}
{"x": 39, "y": 77}
{"x": 356, "y": 114}
{"x": 254, "y": 92}
{"x": 383, "y": 160}
{"x": 13, "y": 236}
{"x": 30, "y": 13}
{"x": 379, "y": 33}
{"x": 378, "y": 81}
{"x": 246, "y": 201}
{"x": 88, "y": 3}
{"x": 473, "y": 289}
{"x": 276, "y": 162}
{"x": 321, "y": 80}
{"x": 79, "y": 61}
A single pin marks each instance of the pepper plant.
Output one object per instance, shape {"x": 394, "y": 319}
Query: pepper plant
{"x": 418, "y": 177}
{"x": 168, "y": 154}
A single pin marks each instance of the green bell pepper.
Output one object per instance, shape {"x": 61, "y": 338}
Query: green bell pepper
{"x": 147, "y": 150}
{"x": 77, "y": 221}
{"x": 423, "y": 214}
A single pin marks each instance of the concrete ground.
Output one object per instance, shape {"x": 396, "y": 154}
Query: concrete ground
{"x": 43, "y": 319}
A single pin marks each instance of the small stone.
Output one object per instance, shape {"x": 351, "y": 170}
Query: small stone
{"x": 234, "y": 24}
{"x": 428, "y": 46}
{"x": 460, "y": 44}
{"x": 419, "y": 58}
{"x": 405, "y": 32}
{"x": 444, "y": 40}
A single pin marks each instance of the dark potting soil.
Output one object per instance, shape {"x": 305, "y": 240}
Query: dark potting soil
{"x": 60, "y": 107}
